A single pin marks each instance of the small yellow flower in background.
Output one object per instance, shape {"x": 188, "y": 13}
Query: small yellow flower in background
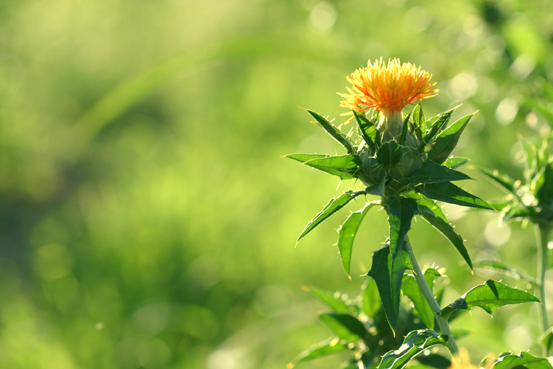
{"x": 387, "y": 88}
{"x": 462, "y": 361}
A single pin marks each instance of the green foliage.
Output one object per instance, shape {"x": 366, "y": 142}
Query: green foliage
{"x": 522, "y": 360}
{"x": 499, "y": 267}
{"x": 368, "y": 130}
{"x": 330, "y": 346}
{"x": 335, "y": 303}
{"x": 389, "y": 153}
{"x": 447, "y": 140}
{"x": 489, "y": 296}
{"x": 415, "y": 343}
{"x": 332, "y": 207}
{"x": 433, "y": 214}
{"x": 532, "y": 199}
{"x": 430, "y": 172}
{"x": 365, "y": 333}
{"x": 332, "y": 131}
{"x": 411, "y": 289}
{"x": 347, "y": 232}
{"x": 344, "y": 166}
{"x": 387, "y": 271}
{"x": 345, "y": 326}
{"x": 400, "y": 213}
{"x": 448, "y": 192}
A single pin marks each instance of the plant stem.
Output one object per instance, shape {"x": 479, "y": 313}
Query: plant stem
{"x": 429, "y": 296}
{"x": 542, "y": 237}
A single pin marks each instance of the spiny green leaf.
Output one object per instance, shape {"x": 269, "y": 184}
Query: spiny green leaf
{"x": 430, "y": 275}
{"x": 333, "y": 131}
{"x": 414, "y": 343}
{"x": 333, "y": 301}
{"x": 430, "y": 172}
{"x": 347, "y": 232}
{"x": 448, "y": 192}
{"x": 505, "y": 182}
{"x": 370, "y": 134}
{"x": 332, "y": 207}
{"x": 437, "y": 124}
{"x": 388, "y": 273}
{"x": 371, "y": 300}
{"x": 500, "y": 267}
{"x": 447, "y": 140}
{"x": 400, "y": 213}
{"x": 343, "y": 166}
{"x": 522, "y": 360}
{"x": 433, "y": 214}
{"x": 302, "y": 158}
{"x": 418, "y": 117}
{"x": 404, "y": 130}
{"x": 454, "y": 163}
{"x": 389, "y": 153}
{"x": 345, "y": 326}
{"x": 544, "y": 185}
{"x": 489, "y": 296}
{"x": 411, "y": 289}
{"x": 330, "y": 346}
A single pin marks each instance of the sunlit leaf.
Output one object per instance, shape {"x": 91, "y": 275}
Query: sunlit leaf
{"x": 544, "y": 185}
{"x": 430, "y": 172}
{"x": 418, "y": 117}
{"x": 522, "y": 360}
{"x": 489, "y": 296}
{"x": 343, "y": 166}
{"x": 504, "y": 182}
{"x": 370, "y": 134}
{"x": 404, "y": 129}
{"x": 448, "y": 192}
{"x": 326, "y": 347}
{"x": 400, "y": 213}
{"x": 411, "y": 289}
{"x": 347, "y": 232}
{"x": 371, "y": 299}
{"x": 433, "y": 214}
{"x": 334, "y": 302}
{"x": 502, "y": 268}
{"x": 414, "y": 343}
{"x": 332, "y": 207}
{"x": 546, "y": 339}
{"x": 388, "y": 273}
{"x": 344, "y": 326}
{"x": 437, "y": 123}
{"x": 333, "y": 131}
{"x": 447, "y": 140}
{"x": 454, "y": 163}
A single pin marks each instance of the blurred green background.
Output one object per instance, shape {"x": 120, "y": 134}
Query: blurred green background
{"x": 147, "y": 217}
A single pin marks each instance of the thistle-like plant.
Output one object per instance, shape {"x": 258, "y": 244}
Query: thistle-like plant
{"x": 530, "y": 200}
{"x": 405, "y": 161}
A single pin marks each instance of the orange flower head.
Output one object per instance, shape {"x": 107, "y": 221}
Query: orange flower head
{"x": 387, "y": 88}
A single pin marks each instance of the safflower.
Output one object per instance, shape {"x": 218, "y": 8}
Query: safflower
{"x": 387, "y": 88}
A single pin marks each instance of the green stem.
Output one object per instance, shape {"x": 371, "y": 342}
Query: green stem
{"x": 429, "y": 296}
{"x": 542, "y": 237}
